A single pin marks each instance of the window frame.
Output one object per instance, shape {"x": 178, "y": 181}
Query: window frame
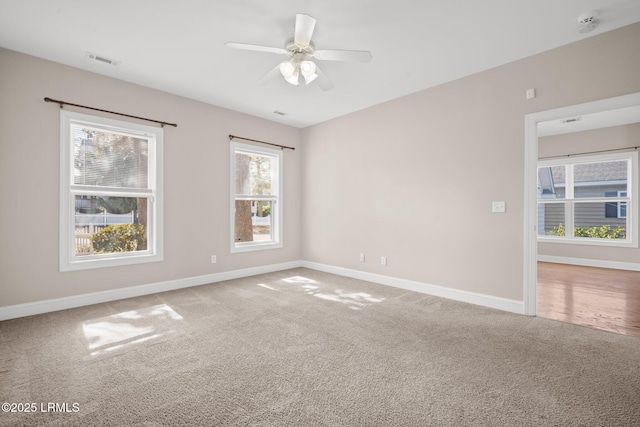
{"x": 69, "y": 261}
{"x": 570, "y": 200}
{"x": 621, "y": 204}
{"x": 277, "y": 208}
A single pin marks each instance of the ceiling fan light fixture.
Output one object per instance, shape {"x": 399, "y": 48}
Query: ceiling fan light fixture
{"x": 294, "y": 78}
{"x": 290, "y": 70}
{"x": 287, "y": 69}
{"x": 308, "y": 70}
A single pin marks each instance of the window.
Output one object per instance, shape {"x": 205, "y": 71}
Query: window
{"x": 256, "y": 197}
{"x": 110, "y": 192}
{"x": 588, "y": 199}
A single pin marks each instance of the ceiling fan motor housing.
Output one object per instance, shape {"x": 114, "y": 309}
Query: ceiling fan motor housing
{"x": 298, "y": 51}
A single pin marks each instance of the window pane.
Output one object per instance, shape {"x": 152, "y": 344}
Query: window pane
{"x": 551, "y": 219}
{"x": 622, "y": 210}
{"x": 253, "y": 174}
{"x": 590, "y": 221}
{"x": 110, "y": 224}
{"x": 598, "y": 179}
{"x": 618, "y": 208}
{"x": 253, "y": 221}
{"x": 551, "y": 182}
{"x": 109, "y": 159}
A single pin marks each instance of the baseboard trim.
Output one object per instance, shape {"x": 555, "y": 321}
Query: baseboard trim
{"x": 504, "y": 304}
{"x": 616, "y": 265}
{"x": 57, "y": 304}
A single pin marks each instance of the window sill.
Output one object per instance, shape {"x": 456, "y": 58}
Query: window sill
{"x": 589, "y": 242}
{"x": 108, "y": 261}
{"x": 250, "y": 247}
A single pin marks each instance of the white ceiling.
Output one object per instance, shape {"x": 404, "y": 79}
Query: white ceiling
{"x": 178, "y": 46}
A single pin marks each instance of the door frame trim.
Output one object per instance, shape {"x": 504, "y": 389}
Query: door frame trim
{"x": 531, "y": 182}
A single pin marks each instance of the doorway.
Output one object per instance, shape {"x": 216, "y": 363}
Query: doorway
{"x": 562, "y": 285}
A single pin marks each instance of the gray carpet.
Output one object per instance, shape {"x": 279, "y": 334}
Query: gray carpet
{"x": 305, "y": 348}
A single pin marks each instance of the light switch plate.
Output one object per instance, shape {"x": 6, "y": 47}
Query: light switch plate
{"x": 498, "y": 207}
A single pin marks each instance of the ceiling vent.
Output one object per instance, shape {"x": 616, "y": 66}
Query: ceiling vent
{"x": 102, "y": 59}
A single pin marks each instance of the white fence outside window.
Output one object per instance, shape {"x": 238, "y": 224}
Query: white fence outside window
{"x": 261, "y": 220}
{"x": 103, "y": 218}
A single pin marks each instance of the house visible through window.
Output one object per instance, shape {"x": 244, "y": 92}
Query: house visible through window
{"x": 588, "y": 199}
{"x": 256, "y": 193}
{"x": 110, "y": 192}
{"x": 616, "y": 209}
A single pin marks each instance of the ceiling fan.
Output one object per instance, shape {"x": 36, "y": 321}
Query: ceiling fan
{"x": 300, "y": 68}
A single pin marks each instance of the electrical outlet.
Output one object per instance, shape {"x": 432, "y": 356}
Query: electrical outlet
{"x": 214, "y": 259}
{"x": 383, "y": 260}
{"x": 361, "y": 257}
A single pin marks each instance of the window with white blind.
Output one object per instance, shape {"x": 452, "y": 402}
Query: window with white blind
{"x": 256, "y": 197}
{"x": 110, "y": 192}
{"x": 591, "y": 199}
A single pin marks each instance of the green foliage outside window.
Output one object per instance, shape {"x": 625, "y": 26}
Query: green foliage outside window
{"x": 601, "y": 232}
{"x": 119, "y": 238}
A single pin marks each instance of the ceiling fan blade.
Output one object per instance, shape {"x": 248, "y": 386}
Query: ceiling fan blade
{"x": 343, "y": 55}
{"x": 255, "y": 47}
{"x": 304, "y": 29}
{"x": 271, "y": 75}
{"x": 322, "y": 80}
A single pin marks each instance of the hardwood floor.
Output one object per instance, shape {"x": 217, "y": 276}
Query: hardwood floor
{"x": 599, "y": 298}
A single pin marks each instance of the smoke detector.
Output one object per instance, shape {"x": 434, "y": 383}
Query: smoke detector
{"x": 588, "y": 21}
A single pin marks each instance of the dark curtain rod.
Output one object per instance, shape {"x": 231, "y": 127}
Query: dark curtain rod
{"x": 61, "y": 103}
{"x": 588, "y": 152}
{"x": 232, "y": 137}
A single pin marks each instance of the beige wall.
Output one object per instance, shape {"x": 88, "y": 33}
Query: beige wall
{"x": 196, "y": 180}
{"x": 413, "y": 179}
{"x": 581, "y": 142}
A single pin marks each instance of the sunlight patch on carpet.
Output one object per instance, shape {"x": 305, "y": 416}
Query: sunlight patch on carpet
{"x": 299, "y": 279}
{"x": 128, "y": 328}
{"x": 355, "y": 300}
{"x": 262, "y": 285}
